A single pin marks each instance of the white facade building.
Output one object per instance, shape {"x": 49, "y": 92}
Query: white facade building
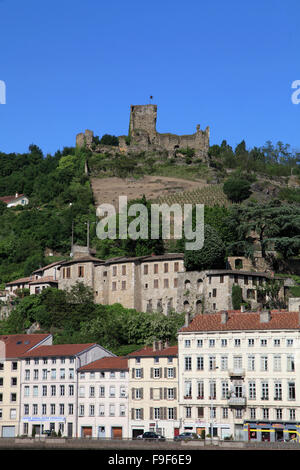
{"x": 103, "y": 399}
{"x": 239, "y": 375}
{"x": 49, "y": 387}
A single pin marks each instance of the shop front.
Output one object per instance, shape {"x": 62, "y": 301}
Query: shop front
{"x": 271, "y": 431}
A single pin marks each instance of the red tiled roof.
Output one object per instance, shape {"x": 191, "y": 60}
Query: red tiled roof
{"x": 8, "y": 199}
{"x": 17, "y": 345}
{"x": 148, "y": 351}
{"x": 107, "y": 363}
{"x": 49, "y": 266}
{"x": 243, "y": 321}
{"x": 58, "y": 350}
{"x": 22, "y": 280}
{"x": 43, "y": 280}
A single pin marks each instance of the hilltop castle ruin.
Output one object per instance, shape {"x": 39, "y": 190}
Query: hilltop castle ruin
{"x": 143, "y": 135}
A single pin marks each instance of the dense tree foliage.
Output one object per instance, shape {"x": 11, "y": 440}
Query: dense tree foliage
{"x": 237, "y": 190}
{"x": 73, "y": 317}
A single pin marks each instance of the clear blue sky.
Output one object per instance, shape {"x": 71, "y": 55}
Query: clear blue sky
{"x": 71, "y": 65}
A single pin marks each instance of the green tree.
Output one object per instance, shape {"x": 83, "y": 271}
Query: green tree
{"x": 210, "y": 256}
{"x": 237, "y": 190}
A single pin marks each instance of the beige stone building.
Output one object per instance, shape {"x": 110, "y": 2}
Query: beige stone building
{"x": 153, "y": 391}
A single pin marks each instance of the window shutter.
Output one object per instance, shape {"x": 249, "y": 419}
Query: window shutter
{"x": 165, "y": 372}
{"x": 165, "y": 393}
{"x": 151, "y": 412}
{"x": 151, "y": 393}
{"x": 175, "y": 413}
{"x": 142, "y": 413}
{"x": 132, "y": 393}
{"x": 151, "y": 373}
{"x": 160, "y": 393}
{"x": 160, "y": 372}
{"x": 133, "y": 372}
{"x": 142, "y": 373}
{"x": 164, "y": 412}
{"x": 174, "y": 369}
{"x": 142, "y": 393}
{"x": 175, "y": 393}
{"x": 132, "y": 413}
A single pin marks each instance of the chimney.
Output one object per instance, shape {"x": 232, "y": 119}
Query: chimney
{"x": 187, "y": 319}
{"x": 224, "y": 316}
{"x": 265, "y": 316}
{"x": 157, "y": 345}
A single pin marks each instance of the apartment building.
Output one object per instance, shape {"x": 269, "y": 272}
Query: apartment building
{"x": 239, "y": 375}
{"x": 49, "y": 387}
{"x": 11, "y": 347}
{"x": 153, "y": 390}
{"x": 103, "y": 399}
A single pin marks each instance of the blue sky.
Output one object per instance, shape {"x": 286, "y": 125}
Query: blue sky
{"x": 71, "y": 65}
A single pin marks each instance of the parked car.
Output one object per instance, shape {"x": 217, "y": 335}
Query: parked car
{"x": 151, "y": 436}
{"x": 184, "y": 436}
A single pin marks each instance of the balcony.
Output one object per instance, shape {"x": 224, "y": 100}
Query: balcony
{"x": 237, "y": 401}
{"x": 236, "y": 372}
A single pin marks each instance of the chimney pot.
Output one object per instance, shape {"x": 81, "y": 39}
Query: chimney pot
{"x": 224, "y": 316}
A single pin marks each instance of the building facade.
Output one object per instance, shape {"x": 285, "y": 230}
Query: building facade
{"x": 103, "y": 399}
{"x": 153, "y": 391}
{"x": 239, "y": 375}
{"x": 11, "y": 347}
{"x": 49, "y": 387}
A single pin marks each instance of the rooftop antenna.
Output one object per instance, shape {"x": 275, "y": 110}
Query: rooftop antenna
{"x": 151, "y": 98}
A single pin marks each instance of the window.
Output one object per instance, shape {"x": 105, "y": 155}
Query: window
{"x": 237, "y": 362}
{"x": 35, "y": 391}
{"x": 187, "y": 389}
{"x": 112, "y": 391}
{"x": 212, "y": 390}
{"x": 44, "y": 409}
{"x": 122, "y": 410}
{"x": 62, "y": 390}
{"x": 214, "y": 293}
{"x": 61, "y": 409}
{"x": 45, "y": 374}
{"x": 200, "y": 363}
{"x": 166, "y": 283}
{"x": 62, "y": 374}
{"x": 92, "y": 391}
{"x": 114, "y": 270}
{"x": 277, "y": 363}
{"x": 26, "y": 409}
{"x": 289, "y": 342}
{"x": 81, "y": 391}
{"x": 211, "y": 343}
{"x": 265, "y": 391}
{"x": 265, "y": 413}
{"x": 276, "y": 342}
{"x": 237, "y": 342}
{"x": 155, "y": 283}
{"x": 80, "y": 271}
{"x": 263, "y": 342}
{"x": 71, "y": 408}
{"x": 199, "y": 343}
{"x": 251, "y": 363}
{"x": 264, "y": 363}
{"x": 224, "y": 362}
{"x": 290, "y": 364}
{"x": 123, "y": 285}
{"x": 13, "y": 413}
{"x": 221, "y": 279}
{"x": 92, "y": 410}
{"x": 123, "y": 270}
{"x": 81, "y": 410}
{"x": 212, "y": 362}
{"x": 155, "y": 268}
{"x": 252, "y": 390}
{"x": 187, "y": 343}
{"x": 53, "y": 390}
{"x": 291, "y": 391}
{"x": 277, "y": 391}
{"x": 252, "y": 413}
{"x": 101, "y": 391}
{"x": 26, "y": 391}
{"x": 114, "y": 286}
{"x": 101, "y": 410}
{"x": 225, "y": 413}
{"x": 188, "y": 412}
{"x": 175, "y": 282}
{"x": 13, "y": 397}
{"x": 157, "y": 413}
{"x": 176, "y": 266}
{"x": 13, "y": 381}
{"x": 171, "y": 413}
{"x": 250, "y": 342}
{"x": 225, "y": 389}
{"x": 53, "y": 373}
{"x": 292, "y": 413}
{"x": 145, "y": 268}
{"x": 188, "y": 363}
{"x": 36, "y": 374}
{"x": 71, "y": 390}
{"x": 166, "y": 267}
{"x": 224, "y": 343}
